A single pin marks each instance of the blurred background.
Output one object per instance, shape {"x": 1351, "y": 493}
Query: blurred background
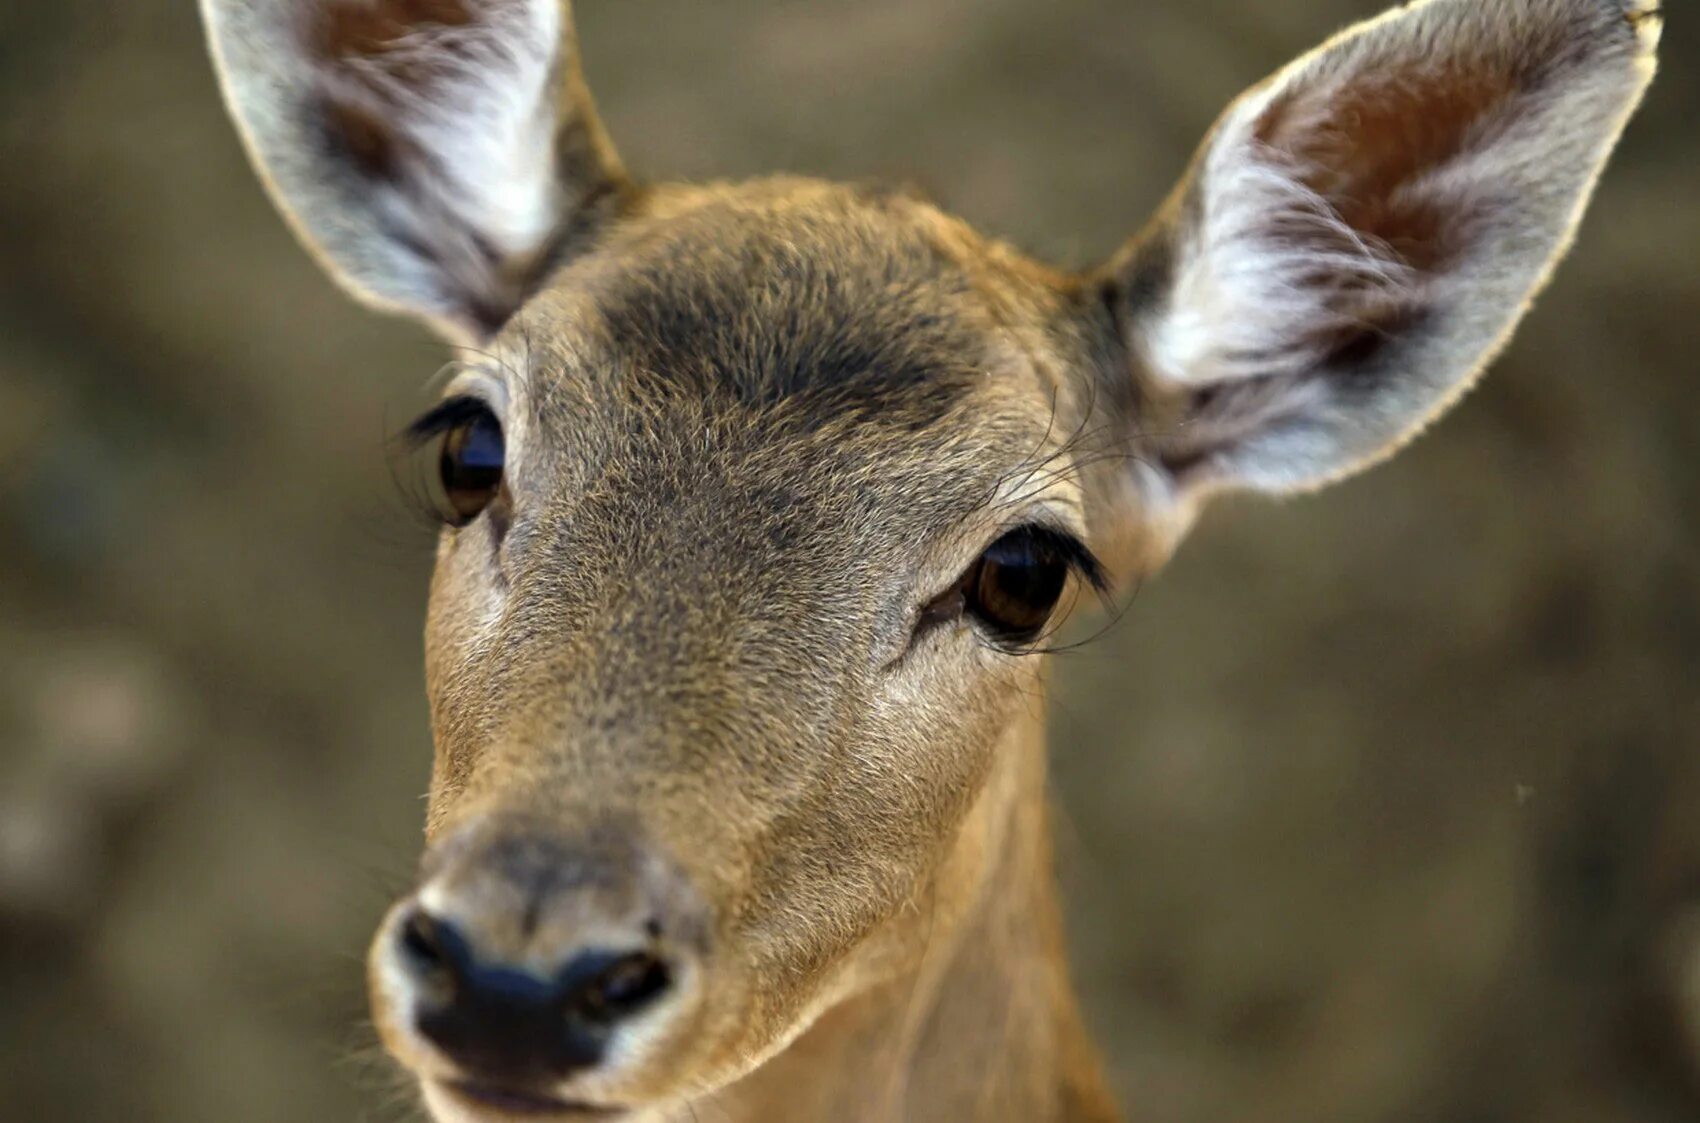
{"x": 1382, "y": 805}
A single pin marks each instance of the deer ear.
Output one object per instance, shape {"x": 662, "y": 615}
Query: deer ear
{"x": 430, "y": 152}
{"x": 1359, "y": 235}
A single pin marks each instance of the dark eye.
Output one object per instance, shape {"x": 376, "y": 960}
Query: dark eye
{"x": 469, "y": 464}
{"x": 1014, "y": 587}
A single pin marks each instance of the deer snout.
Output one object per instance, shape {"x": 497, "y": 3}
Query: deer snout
{"x": 533, "y": 972}
{"x": 504, "y": 1023}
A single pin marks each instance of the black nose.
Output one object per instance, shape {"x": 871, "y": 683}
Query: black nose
{"x": 500, "y": 1023}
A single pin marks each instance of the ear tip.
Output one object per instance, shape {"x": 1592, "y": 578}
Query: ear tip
{"x": 1640, "y": 12}
{"x": 1646, "y": 18}
{"x": 1642, "y": 20}
{"x": 1636, "y": 24}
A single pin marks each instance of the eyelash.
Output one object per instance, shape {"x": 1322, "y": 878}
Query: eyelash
{"x": 1082, "y": 562}
{"x": 442, "y": 417}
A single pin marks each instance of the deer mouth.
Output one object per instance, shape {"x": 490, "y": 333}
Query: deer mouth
{"x": 517, "y": 1103}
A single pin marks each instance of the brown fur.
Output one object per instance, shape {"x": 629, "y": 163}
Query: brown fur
{"x": 675, "y": 677}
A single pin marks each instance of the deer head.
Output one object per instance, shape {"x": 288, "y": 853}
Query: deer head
{"x": 760, "y": 499}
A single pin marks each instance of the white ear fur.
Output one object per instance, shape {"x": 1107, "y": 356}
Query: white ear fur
{"x": 489, "y": 120}
{"x": 1266, "y": 254}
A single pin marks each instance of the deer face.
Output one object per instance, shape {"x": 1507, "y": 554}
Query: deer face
{"x": 723, "y": 662}
{"x": 760, "y": 499}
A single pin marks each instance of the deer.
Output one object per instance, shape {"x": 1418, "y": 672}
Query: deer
{"x": 761, "y": 503}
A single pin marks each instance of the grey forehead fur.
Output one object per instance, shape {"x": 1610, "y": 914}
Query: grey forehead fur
{"x": 757, "y": 299}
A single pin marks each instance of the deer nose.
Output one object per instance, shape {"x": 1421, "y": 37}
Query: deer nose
{"x": 509, "y": 1024}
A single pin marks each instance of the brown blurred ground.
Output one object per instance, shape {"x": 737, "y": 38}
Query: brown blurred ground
{"x": 1381, "y": 806}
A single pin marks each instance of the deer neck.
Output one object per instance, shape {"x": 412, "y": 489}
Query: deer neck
{"x": 984, "y": 1025}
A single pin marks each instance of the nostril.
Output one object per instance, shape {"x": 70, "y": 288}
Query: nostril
{"x": 419, "y": 937}
{"x": 621, "y": 988}
{"x": 427, "y": 944}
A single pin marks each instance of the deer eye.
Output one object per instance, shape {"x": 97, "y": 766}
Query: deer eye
{"x": 471, "y": 465}
{"x": 1014, "y": 587}
{"x": 1012, "y": 590}
{"x": 469, "y": 459}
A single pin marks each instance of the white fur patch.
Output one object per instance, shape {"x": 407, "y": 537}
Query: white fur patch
{"x": 1266, "y": 271}
{"x": 478, "y": 99}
